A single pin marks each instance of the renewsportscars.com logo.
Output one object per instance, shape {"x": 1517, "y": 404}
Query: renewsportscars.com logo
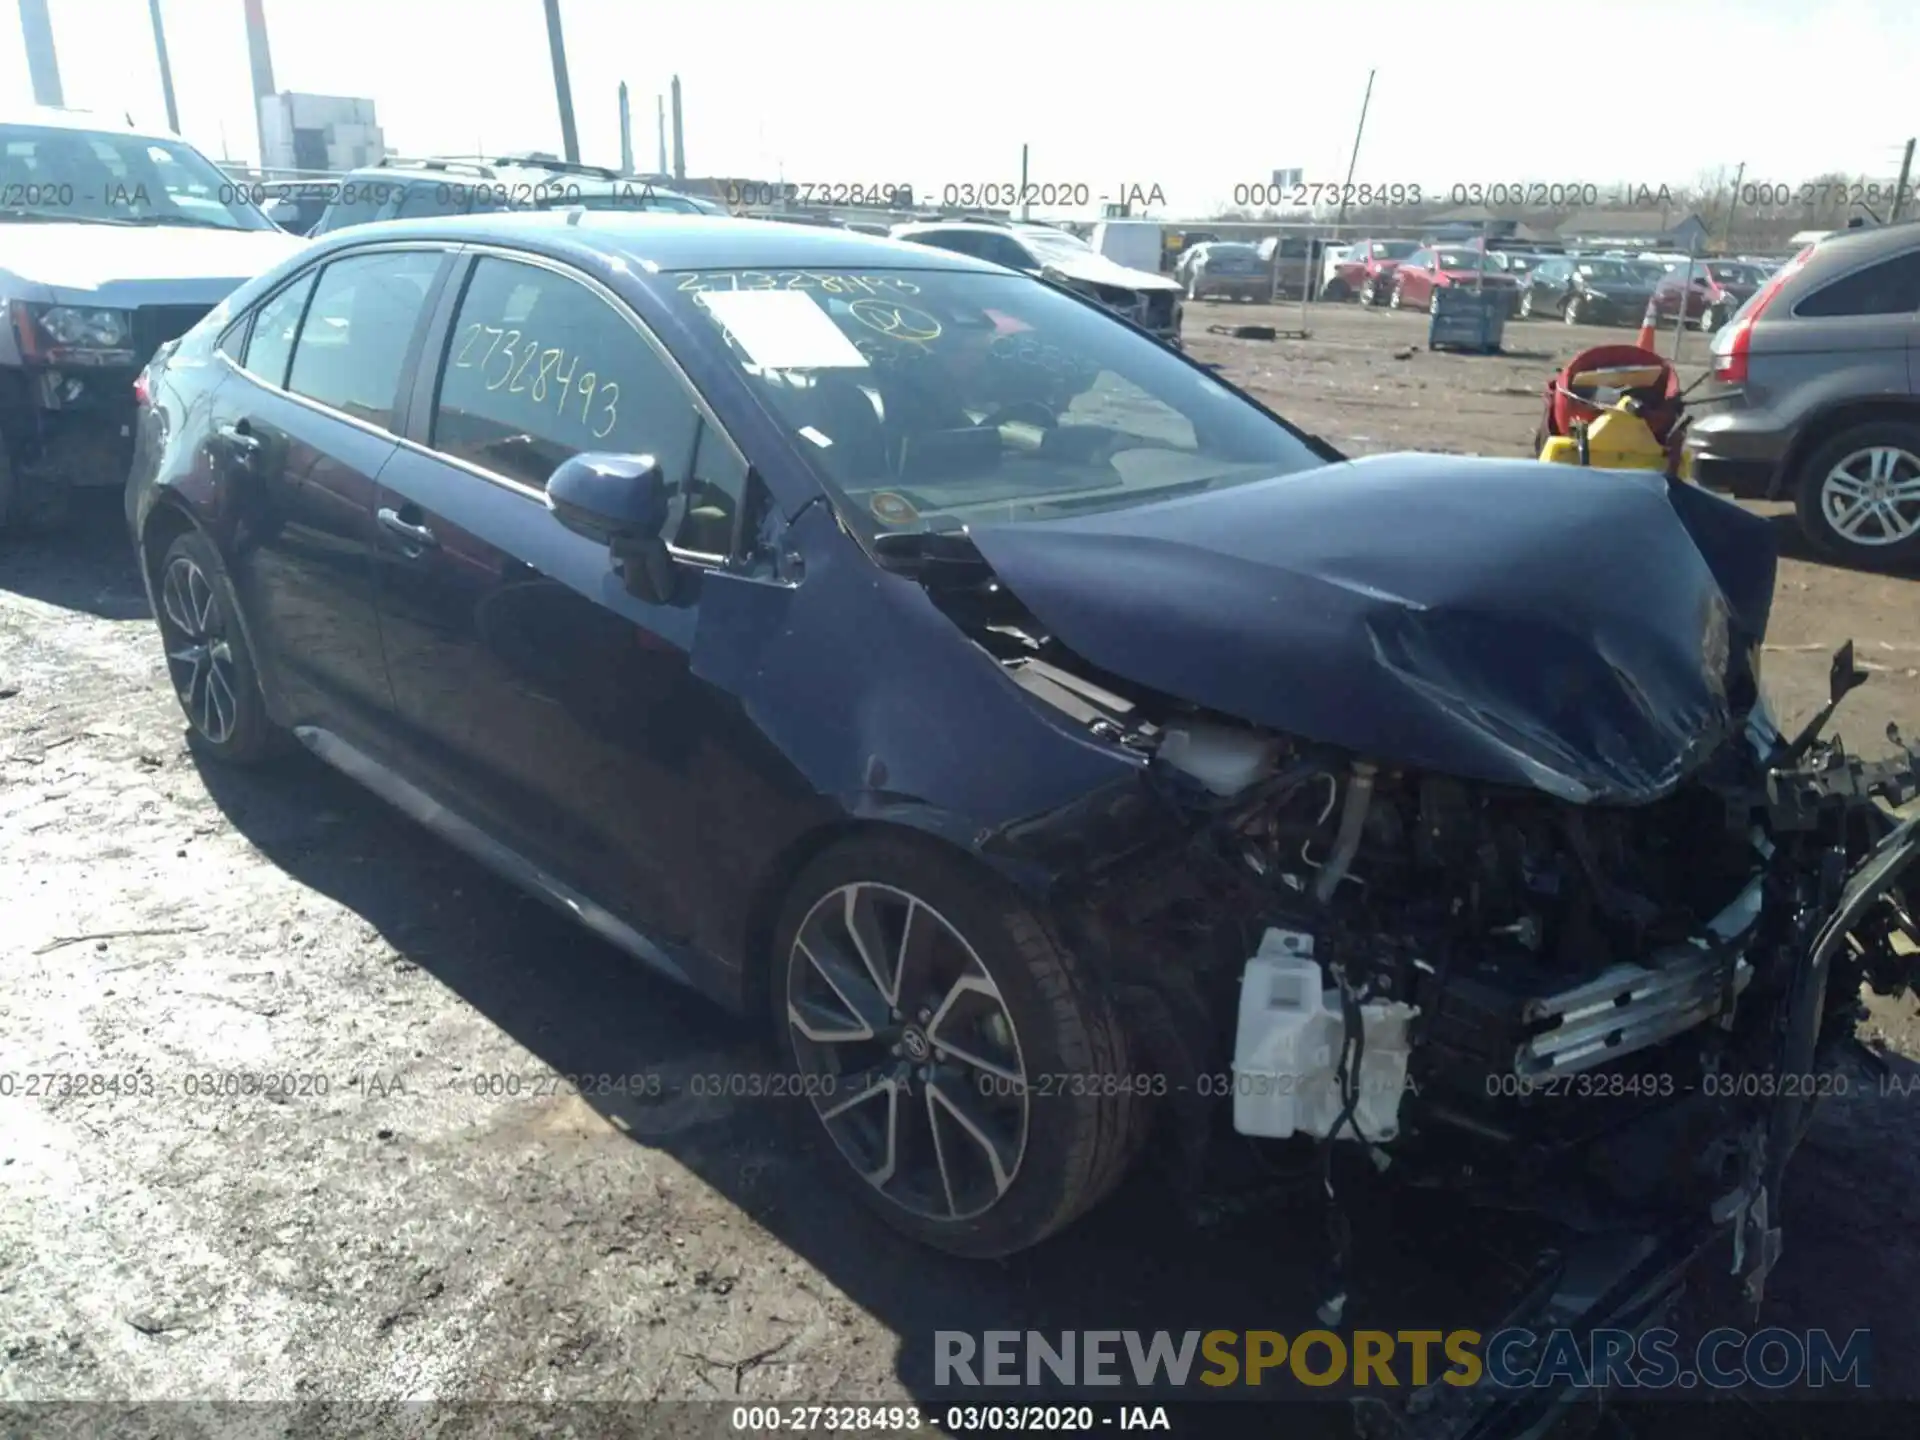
{"x": 1723, "y": 1359}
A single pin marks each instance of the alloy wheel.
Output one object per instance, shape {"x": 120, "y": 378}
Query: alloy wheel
{"x": 1872, "y": 497}
{"x": 924, "y": 1087}
{"x": 199, "y": 654}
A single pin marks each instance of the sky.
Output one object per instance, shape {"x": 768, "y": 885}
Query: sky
{"x": 1196, "y": 100}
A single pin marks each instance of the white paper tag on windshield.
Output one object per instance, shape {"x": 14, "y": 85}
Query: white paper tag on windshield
{"x": 782, "y": 329}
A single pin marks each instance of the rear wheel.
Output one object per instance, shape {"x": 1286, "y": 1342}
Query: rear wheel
{"x": 212, "y": 667}
{"x": 1369, "y": 292}
{"x": 967, "y": 1073}
{"x": 1712, "y": 318}
{"x": 1336, "y": 290}
{"x": 1858, "y": 496}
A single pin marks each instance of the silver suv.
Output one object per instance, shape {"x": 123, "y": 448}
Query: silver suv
{"x": 1817, "y": 399}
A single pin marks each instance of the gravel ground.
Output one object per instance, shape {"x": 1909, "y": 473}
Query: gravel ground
{"x": 397, "y": 1226}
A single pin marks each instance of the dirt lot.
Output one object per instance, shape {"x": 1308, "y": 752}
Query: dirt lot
{"x": 399, "y": 1230}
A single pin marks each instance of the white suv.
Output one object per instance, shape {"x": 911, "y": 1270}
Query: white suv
{"x": 112, "y": 242}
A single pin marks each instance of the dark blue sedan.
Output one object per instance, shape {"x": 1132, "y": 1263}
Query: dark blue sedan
{"x": 1048, "y": 738}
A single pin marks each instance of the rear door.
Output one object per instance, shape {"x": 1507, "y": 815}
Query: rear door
{"x": 302, "y": 444}
{"x": 558, "y": 710}
{"x": 1851, "y": 336}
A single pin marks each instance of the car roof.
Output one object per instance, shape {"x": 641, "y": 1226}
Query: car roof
{"x": 919, "y": 227}
{"x": 654, "y": 242}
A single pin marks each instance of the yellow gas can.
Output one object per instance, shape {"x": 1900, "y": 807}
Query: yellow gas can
{"x": 1618, "y": 440}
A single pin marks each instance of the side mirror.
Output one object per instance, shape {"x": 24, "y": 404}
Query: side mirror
{"x": 621, "y": 502}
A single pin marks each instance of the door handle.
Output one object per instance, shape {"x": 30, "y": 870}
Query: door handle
{"x": 417, "y": 536}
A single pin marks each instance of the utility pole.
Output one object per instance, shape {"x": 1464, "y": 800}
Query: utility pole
{"x": 260, "y": 64}
{"x": 1023, "y": 182}
{"x": 1900, "y": 190}
{"x": 660, "y": 107}
{"x": 563, "y": 91}
{"x": 1354, "y": 159}
{"x": 1733, "y": 200}
{"x": 166, "y": 70}
{"x": 42, "y": 65}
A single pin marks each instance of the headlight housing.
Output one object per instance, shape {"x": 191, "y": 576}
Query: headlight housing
{"x": 74, "y": 334}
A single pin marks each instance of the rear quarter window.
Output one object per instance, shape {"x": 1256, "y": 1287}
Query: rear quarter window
{"x": 1891, "y": 287}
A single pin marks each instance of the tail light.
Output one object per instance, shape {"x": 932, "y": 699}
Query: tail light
{"x": 142, "y": 396}
{"x": 1730, "y": 365}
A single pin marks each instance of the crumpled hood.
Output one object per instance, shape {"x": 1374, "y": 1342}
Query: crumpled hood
{"x": 126, "y": 266}
{"x": 1097, "y": 269}
{"x": 1581, "y": 632}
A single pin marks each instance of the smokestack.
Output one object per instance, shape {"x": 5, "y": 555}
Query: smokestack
{"x": 260, "y": 61}
{"x": 42, "y": 65}
{"x": 626, "y": 132}
{"x": 166, "y": 69}
{"x": 562, "y": 88}
{"x": 660, "y": 105}
{"x": 679, "y": 139}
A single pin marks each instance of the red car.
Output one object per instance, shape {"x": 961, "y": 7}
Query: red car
{"x": 1366, "y": 270}
{"x": 1717, "y": 289}
{"x": 1423, "y": 274}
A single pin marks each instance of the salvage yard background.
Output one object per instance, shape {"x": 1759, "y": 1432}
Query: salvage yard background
{"x": 407, "y": 1235}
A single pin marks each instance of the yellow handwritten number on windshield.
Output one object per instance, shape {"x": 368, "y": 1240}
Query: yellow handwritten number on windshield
{"x": 898, "y": 322}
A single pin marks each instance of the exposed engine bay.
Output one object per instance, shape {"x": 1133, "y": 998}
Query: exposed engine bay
{"x": 1427, "y": 969}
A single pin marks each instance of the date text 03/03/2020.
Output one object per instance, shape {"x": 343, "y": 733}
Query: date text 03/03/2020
{"x": 1070, "y": 1419}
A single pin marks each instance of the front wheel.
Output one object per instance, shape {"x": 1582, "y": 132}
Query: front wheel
{"x": 966, "y": 1070}
{"x": 211, "y": 665}
{"x": 1336, "y": 290}
{"x": 1394, "y": 299}
{"x": 1858, "y": 496}
{"x": 1369, "y": 293}
{"x": 1574, "y": 312}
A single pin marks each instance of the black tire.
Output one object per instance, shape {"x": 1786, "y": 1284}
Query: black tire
{"x": 1574, "y": 312}
{"x": 1336, "y": 290}
{"x": 208, "y": 658}
{"x": 1074, "y": 1146}
{"x": 1369, "y": 293}
{"x": 1393, "y": 299}
{"x": 1711, "y": 319}
{"x": 1810, "y": 487}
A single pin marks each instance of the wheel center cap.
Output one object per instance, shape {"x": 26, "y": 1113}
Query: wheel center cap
{"x": 915, "y": 1043}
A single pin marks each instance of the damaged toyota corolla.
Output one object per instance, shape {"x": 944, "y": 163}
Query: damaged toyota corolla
{"x": 1065, "y": 750}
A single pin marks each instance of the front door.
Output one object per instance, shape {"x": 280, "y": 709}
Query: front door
{"x": 558, "y": 708}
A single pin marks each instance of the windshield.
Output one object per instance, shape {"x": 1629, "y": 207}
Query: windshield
{"x": 1464, "y": 260}
{"x": 1053, "y": 242}
{"x": 928, "y": 400}
{"x": 105, "y": 177}
{"x": 1517, "y": 264}
{"x": 1393, "y": 249}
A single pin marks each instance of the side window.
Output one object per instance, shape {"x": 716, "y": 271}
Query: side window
{"x": 354, "y": 340}
{"x": 270, "y": 343}
{"x": 1890, "y": 288}
{"x": 539, "y": 369}
{"x": 1005, "y": 250}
